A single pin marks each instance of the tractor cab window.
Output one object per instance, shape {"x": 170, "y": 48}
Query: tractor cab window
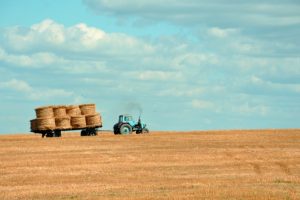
{"x": 127, "y": 118}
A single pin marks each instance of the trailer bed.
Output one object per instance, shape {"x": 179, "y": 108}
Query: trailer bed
{"x": 85, "y": 131}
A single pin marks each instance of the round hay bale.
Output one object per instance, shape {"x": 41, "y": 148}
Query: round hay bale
{"x": 78, "y": 121}
{"x": 45, "y": 123}
{"x": 93, "y": 120}
{"x": 73, "y": 110}
{"x": 63, "y": 123}
{"x": 59, "y": 111}
{"x": 87, "y": 109}
{"x": 33, "y": 125}
{"x": 44, "y": 112}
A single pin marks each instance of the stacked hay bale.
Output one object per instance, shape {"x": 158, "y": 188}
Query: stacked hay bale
{"x": 77, "y": 119}
{"x": 62, "y": 120}
{"x": 45, "y": 119}
{"x": 65, "y": 117}
{"x": 73, "y": 110}
{"x": 92, "y": 118}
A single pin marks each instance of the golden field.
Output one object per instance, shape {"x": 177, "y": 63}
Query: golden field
{"x": 261, "y": 164}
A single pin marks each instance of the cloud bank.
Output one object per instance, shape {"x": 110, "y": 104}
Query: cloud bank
{"x": 224, "y": 75}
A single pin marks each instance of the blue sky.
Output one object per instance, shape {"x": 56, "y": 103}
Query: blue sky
{"x": 189, "y": 65}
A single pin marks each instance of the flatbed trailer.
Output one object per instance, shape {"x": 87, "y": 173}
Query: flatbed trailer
{"x": 85, "y": 131}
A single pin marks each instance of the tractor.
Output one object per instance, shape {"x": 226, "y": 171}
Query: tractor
{"x": 127, "y": 125}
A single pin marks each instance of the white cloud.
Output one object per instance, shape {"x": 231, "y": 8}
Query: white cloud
{"x": 36, "y": 60}
{"x": 22, "y": 87}
{"x": 247, "y": 109}
{"x": 203, "y": 104}
{"x": 18, "y": 85}
{"x": 193, "y": 59}
{"x": 90, "y": 35}
{"x": 221, "y": 33}
{"x": 203, "y": 75}
{"x": 80, "y": 38}
{"x": 52, "y": 32}
{"x": 274, "y": 87}
{"x": 180, "y": 91}
{"x": 157, "y": 75}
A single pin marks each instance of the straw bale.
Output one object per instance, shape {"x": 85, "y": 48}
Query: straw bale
{"x": 33, "y": 125}
{"x": 45, "y": 123}
{"x": 62, "y": 122}
{"x": 73, "y": 110}
{"x": 59, "y": 111}
{"x": 44, "y": 112}
{"x": 93, "y": 120}
{"x": 87, "y": 109}
{"x": 78, "y": 121}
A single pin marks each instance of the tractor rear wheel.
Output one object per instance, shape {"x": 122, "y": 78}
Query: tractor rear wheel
{"x": 125, "y": 129}
{"x": 116, "y": 129}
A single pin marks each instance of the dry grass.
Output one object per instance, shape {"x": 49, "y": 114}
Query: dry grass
{"x": 161, "y": 165}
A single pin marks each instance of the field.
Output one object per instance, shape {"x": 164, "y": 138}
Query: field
{"x": 261, "y": 164}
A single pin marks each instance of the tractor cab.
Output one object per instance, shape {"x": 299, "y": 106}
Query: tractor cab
{"x": 127, "y": 119}
{"x": 127, "y": 125}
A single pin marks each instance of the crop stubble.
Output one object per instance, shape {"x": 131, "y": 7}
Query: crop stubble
{"x": 261, "y": 164}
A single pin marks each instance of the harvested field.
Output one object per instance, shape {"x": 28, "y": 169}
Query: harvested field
{"x": 262, "y": 164}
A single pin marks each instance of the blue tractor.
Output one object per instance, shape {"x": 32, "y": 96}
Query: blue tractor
{"x": 127, "y": 125}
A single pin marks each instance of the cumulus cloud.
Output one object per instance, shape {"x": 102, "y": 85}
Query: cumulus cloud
{"x": 36, "y": 60}
{"x": 22, "y": 87}
{"x": 221, "y": 71}
{"x": 80, "y": 38}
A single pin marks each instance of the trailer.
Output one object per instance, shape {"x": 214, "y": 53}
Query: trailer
{"x": 85, "y": 131}
{"x": 51, "y": 120}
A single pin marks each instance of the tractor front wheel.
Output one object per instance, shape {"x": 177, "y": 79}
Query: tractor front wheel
{"x": 145, "y": 130}
{"x": 125, "y": 129}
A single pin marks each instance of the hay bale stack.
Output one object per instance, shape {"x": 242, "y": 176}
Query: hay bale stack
{"x": 45, "y": 123}
{"x": 44, "y": 112}
{"x": 59, "y": 111}
{"x": 65, "y": 117}
{"x": 93, "y": 120}
{"x": 73, "y": 110}
{"x": 87, "y": 109}
{"x": 63, "y": 122}
{"x": 33, "y": 125}
{"x": 78, "y": 121}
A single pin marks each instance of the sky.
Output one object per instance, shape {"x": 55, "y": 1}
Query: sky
{"x": 185, "y": 65}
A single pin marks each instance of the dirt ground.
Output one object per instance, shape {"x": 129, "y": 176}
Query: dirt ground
{"x": 261, "y": 164}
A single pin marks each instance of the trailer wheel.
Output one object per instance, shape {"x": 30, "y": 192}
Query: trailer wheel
{"x": 49, "y": 134}
{"x": 94, "y": 132}
{"x": 57, "y": 133}
{"x": 83, "y": 133}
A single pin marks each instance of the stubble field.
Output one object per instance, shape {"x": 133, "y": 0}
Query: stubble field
{"x": 261, "y": 164}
